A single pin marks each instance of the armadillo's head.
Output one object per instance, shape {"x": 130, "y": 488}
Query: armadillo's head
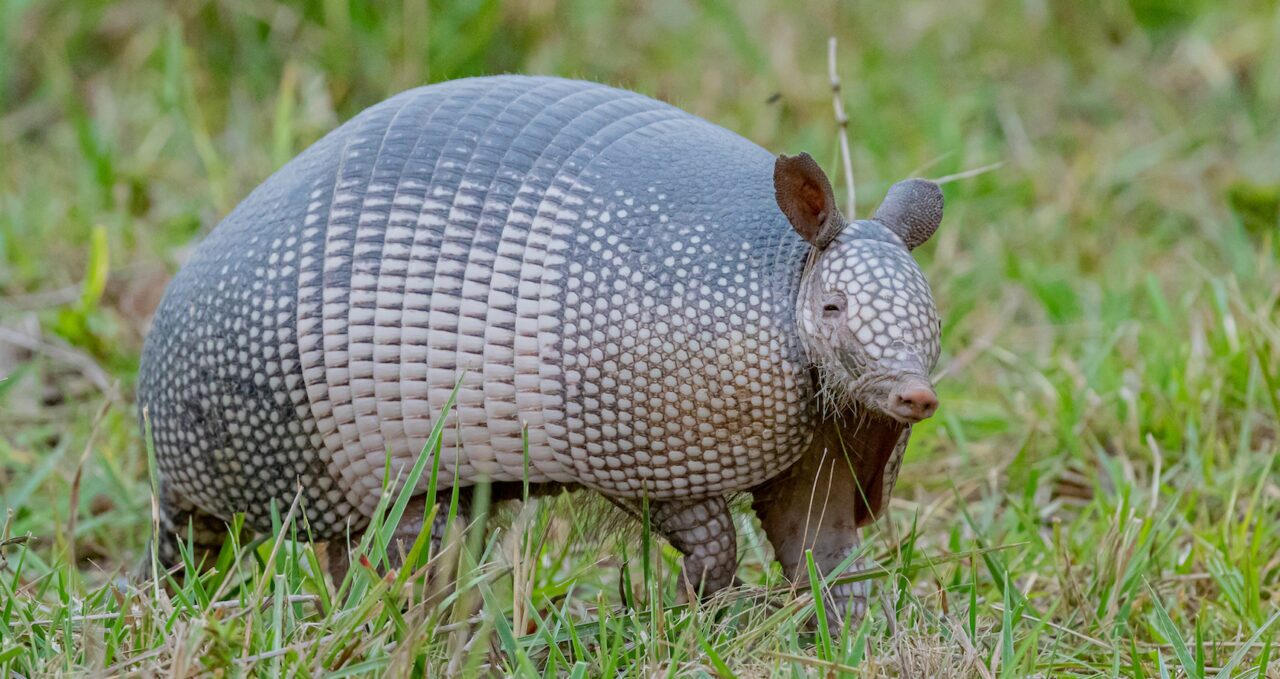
{"x": 865, "y": 311}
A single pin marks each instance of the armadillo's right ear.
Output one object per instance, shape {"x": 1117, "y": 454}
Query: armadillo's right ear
{"x": 913, "y": 210}
{"x": 804, "y": 194}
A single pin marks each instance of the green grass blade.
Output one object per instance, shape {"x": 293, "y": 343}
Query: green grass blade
{"x": 1164, "y": 624}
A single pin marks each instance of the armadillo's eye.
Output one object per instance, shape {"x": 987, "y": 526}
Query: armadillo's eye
{"x": 833, "y": 306}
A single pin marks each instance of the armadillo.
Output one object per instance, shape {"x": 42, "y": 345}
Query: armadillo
{"x": 628, "y": 298}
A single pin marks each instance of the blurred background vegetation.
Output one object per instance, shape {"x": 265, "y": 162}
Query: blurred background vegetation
{"x": 1111, "y": 291}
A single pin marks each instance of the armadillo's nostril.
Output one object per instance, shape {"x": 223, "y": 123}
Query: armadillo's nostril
{"x": 914, "y": 403}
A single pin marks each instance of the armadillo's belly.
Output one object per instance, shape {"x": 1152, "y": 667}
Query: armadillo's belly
{"x": 469, "y": 235}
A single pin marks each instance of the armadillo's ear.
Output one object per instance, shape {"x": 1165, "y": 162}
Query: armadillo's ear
{"x": 913, "y": 210}
{"x": 805, "y": 196}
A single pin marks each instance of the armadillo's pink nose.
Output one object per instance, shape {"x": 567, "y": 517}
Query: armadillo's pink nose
{"x": 913, "y": 402}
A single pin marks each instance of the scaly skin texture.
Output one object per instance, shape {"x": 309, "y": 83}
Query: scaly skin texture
{"x": 641, "y": 297}
{"x": 703, "y": 531}
{"x": 601, "y": 271}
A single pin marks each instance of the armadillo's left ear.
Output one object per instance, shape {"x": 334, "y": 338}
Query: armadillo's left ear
{"x": 913, "y": 210}
{"x": 805, "y": 197}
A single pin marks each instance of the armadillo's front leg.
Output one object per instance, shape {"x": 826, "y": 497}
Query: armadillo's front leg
{"x": 809, "y": 508}
{"x": 703, "y": 531}
{"x": 793, "y": 530}
{"x": 840, "y": 483}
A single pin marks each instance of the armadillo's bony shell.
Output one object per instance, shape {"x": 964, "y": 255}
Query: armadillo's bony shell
{"x": 609, "y": 276}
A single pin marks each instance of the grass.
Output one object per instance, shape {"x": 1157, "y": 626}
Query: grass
{"x": 1098, "y": 495}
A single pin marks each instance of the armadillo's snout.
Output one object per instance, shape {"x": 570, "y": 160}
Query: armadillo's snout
{"x": 913, "y": 401}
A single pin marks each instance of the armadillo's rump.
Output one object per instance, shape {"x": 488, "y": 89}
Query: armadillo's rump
{"x": 609, "y": 277}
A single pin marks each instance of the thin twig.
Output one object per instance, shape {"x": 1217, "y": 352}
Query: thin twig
{"x": 126, "y": 663}
{"x": 92, "y": 617}
{"x": 947, "y": 179}
{"x": 62, "y": 352}
{"x": 42, "y": 299}
{"x": 842, "y": 122}
{"x": 73, "y": 510}
{"x": 238, "y": 605}
{"x": 978, "y": 346}
{"x": 1155, "y": 475}
{"x": 251, "y": 659}
{"x": 828, "y": 665}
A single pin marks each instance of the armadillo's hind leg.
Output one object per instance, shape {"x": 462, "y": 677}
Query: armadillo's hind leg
{"x": 703, "y": 531}
{"x": 182, "y": 523}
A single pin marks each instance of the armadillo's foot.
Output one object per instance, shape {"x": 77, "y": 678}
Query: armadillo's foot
{"x": 410, "y": 526}
{"x": 339, "y": 550}
{"x": 703, "y": 531}
{"x": 846, "y": 602}
{"x": 181, "y": 522}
